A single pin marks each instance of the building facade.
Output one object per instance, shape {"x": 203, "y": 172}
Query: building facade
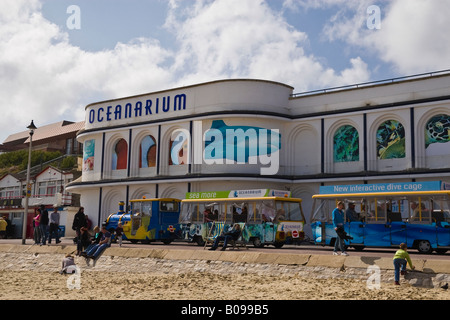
{"x": 47, "y": 188}
{"x": 252, "y": 134}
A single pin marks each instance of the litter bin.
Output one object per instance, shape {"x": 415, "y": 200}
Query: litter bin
{"x": 62, "y": 231}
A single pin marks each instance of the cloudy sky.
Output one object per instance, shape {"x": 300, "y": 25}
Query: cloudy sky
{"x": 55, "y": 58}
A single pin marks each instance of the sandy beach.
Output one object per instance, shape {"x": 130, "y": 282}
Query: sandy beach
{"x": 30, "y": 277}
{"x": 29, "y": 285}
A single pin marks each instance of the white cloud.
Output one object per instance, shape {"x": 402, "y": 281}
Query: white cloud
{"x": 47, "y": 79}
{"x": 413, "y": 37}
{"x": 235, "y": 38}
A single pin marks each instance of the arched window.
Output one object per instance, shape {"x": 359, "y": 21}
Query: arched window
{"x": 179, "y": 149}
{"x": 391, "y": 140}
{"x": 120, "y": 155}
{"x": 346, "y": 144}
{"x": 147, "y": 152}
{"x": 437, "y": 132}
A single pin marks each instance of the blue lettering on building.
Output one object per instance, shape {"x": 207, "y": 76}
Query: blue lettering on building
{"x": 139, "y": 109}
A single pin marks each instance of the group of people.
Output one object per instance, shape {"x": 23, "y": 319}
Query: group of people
{"x": 46, "y": 226}
{"x": 87, "y": 246}
{"x": 401, "y": 256}
{"x": 101, "y": 241}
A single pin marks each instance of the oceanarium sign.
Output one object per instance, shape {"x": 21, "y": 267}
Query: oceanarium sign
{"x": 137, "y": 109}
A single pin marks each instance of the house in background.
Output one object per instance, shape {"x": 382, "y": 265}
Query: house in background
{"x": 59, "y": 136}
{"x": 47, "y": 181}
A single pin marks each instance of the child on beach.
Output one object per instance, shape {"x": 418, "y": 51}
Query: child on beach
{"x": 119, "y": 232}
{"x": 68, "y": 265}
{"x": 401, "y": 257}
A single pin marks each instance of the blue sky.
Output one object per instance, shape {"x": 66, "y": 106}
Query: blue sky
{"x": 126, "y": 47}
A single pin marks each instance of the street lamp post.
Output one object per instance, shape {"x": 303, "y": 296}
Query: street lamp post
{"x": 31, "y": 127}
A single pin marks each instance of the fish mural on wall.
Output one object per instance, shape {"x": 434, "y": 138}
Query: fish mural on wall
{"x": 391, "y": 140}
{"x": 437, "y": 135}
{"x": 240, "y": 143}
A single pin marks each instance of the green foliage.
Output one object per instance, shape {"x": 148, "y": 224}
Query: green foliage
{"x": 18, "y": 160}
{"x": 68, "y": 162}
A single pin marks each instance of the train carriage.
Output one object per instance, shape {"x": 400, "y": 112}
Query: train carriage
{"x": 148, "y": 220}
{"x": 418, "y": 218}
{"x": 271, "y": 217}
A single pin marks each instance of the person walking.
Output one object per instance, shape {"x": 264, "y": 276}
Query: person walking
{"x": 338, "y": 223}
{"x": 37, "y": 231}
{"x": 43, "y": 224}
{"x": 54, "y": 225}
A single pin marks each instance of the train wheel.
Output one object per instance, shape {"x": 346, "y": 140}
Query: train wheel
{"x": 257, "y": 243}
{"x": 199, "y": 241}
{"x": 278, "y": 244}
{"x": 424, "y": 246}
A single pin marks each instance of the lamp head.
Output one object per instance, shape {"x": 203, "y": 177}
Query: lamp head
{"x": 32, "y": 126}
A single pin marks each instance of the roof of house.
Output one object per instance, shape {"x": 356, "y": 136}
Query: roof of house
{"x": 45, "y": 132}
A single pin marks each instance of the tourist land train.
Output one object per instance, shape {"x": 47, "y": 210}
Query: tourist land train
{"x": 381, "y": 217}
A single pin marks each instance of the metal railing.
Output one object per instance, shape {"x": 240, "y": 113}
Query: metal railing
{"x": 371, "y": 83}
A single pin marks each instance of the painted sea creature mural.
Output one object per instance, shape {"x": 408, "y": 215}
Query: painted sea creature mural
{"x": 240, "y": 143}
{"x": 437, "y": 135}
{"x": 391, "y": 140}
{"x": 346, "y": 144}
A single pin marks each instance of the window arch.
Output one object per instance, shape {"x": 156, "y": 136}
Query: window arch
{"x": 120, "y": 155}
{"x": 178, "y": 148}
{"x": 437, "y": 130}
{"x": 391, "y": 140}
{"x": 346, "y": 144}
{"x": 147, "y": 152}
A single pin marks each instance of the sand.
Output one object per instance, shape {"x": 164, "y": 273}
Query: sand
{"x": 36, "y": 276}
{"x": 93, "y": 285}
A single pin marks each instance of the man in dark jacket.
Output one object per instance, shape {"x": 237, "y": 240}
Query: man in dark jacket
{"x": 234, "y": 234}
{"x": 79, "y": 221}
{"x": 43, "y": 224}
